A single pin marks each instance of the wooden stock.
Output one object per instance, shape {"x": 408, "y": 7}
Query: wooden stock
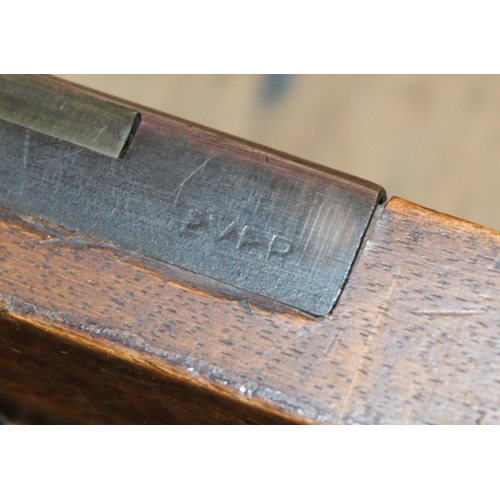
{"x": 94, "y": 333}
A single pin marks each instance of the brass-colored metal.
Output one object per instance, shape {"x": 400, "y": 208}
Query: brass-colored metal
{"x": 66, "y": 114}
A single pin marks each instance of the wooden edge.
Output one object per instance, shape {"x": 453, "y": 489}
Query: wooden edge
{"x": 46, "y": 329}
{"x": 221, "y": 404}
{"x": 100, "y": 335}
{"x": 402, "y": 206}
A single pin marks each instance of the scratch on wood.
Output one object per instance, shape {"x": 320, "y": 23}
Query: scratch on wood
{"x": 362, "y": 358}
{"x": 437, "y": 378}
{"x": 330, "y": 345}
{"x": 75, "y": 242}
{"x": 246, "y": 306}
{"x": 480, "y": 419}
{"x": 450, "y": 312}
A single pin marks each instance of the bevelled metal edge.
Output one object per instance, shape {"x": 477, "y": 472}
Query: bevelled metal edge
{"x": 61, "y": 112}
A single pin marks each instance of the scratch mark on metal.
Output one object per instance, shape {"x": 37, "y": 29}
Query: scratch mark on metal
{"x": 26, "y": 148}
{"x": 88, "y": 181}
{"x": 57, "y": 158}
{"x": 124, "y": 192}
{"x": 26, "y": 144}
{"x": 178, "y": 189}
{"x": 98, "y": 134}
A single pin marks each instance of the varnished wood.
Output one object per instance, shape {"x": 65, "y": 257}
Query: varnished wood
{"x": 98, "y": 334}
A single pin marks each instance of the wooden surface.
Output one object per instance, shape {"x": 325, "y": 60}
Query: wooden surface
{"x": 97, "y": 334}
{"x": 431, "y": 139}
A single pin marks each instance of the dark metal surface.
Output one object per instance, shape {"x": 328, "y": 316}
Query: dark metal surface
{"x": 277, "y": 229}
{"x": 67, "y": 114}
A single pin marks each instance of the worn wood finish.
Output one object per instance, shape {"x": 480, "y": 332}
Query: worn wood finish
{"x": 98, "y": 334}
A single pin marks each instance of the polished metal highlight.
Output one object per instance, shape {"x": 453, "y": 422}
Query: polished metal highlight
{"x": 64, "y": 113}
{"x": 254, "y": 219}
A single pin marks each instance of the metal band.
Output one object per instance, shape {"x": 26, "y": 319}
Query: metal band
{"x": 249, "y": 217}
{"x": 67, "y": 114}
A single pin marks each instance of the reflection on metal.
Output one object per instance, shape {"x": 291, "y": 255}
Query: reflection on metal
{"x": 207, "y": 203}
{"x": 66, "y": 114}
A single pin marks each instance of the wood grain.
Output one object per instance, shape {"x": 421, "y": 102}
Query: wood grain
{"x": 98, "y": 334}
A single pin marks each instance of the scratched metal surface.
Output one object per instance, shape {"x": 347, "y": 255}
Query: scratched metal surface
{"x": 432, "y": 139}
{"x": 67, "y": 114}
{"x": 183, "y": 196}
